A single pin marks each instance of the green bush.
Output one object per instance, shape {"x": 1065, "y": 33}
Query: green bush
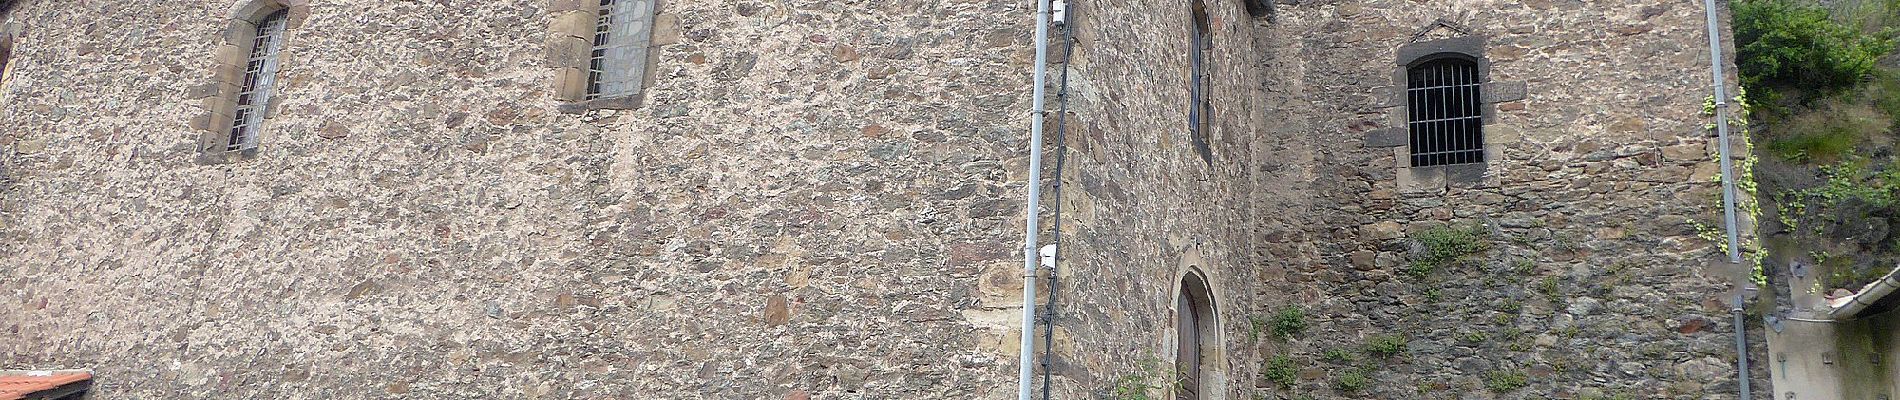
{"x": 1385, "y": 345}
{"x": 1445, "y": 245}
{"x": 1338, "y": 356}
{"x": 1289, "y": 321}
{"x": 1280, "y": 370}
{"x": 1505, "y": 380}
{"x": 1796, "y": 44}
{"x": 1352, "y": 381}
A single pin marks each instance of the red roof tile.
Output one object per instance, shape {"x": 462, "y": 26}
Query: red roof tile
{"x": 16, "y": 385}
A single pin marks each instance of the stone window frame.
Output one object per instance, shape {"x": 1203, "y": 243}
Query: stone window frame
{"x": 1195, "y": 284}
{"x": 1396, "y": 134}
{"x": 570, "y": 45}
{"x": 217, "y": 97}
{"x": 9, "y": 36}
{"x": 1200, "y": 80}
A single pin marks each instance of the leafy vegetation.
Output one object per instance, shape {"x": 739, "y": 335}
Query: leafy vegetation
{"x": 1502, "y": 381}
{"x": 1280, "y": 370}
{"x": 1143, "y": 383}
{"x": 1784, "y": 44}
{"x": 1385, "y": 345}
{"x": 1290, "y": 321}
{"x": 1447, "y": 245}
{"x": 1352, "y": 380}
{"x": 1829, "y": 79}
{"x": 1338, "y": 356}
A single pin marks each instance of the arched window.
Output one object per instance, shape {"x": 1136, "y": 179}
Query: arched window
{"x": 1195, "y": 338}
{"x": 6, "y": 56}
{"x": 260, "y": 73}
{"x": 1200, "y": 111}
{"x": 601, "y": 50}
{"x": 6, "y": 43}
{"x": 238, "y": 100}
{"x": 1446, "y": 117}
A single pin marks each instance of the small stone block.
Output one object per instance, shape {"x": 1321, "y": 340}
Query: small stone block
{"x": 1500, "y": 92}
{"x": 1466, "y": 175}
{"x": 577, "y": 24}
{"x": 1422, "y": 181}
{"x": 1388, "y": 137}
{"x": 296, "y": 16}
{"x": 570, "y": 84}
{"x": 229, "y": 54}
{"x": 238, "y": 33}
{"x": 568, "y": 51}
{"x": 666, "y": 29}
{"x": 1502, "y": 134}
{"x": 203, "y": 90}
{"x": 572, "y": 5}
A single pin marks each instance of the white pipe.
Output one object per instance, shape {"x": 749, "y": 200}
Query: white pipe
{"x": 1032, "y": 208}
{"x": 1728, "y": 188}
{"x": 1867, "y": 297}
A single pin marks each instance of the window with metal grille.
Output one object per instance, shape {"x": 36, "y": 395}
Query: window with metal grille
{"x": 260, "y": 72}
{"x": 1199, "y": 109}
{"x": 617, "y": 65}
{"x": 1447, "y": 120}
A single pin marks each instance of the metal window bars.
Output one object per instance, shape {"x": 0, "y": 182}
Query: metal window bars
{"x": 622, "y": 32}
{"x": 597, "y": 60}
{"x": 260, "y": 71}
{"x": 1447, "y": 122}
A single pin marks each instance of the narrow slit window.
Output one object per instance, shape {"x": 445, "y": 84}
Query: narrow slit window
{"x": 1447, "y": 120}
{"x": 260, "y": 72}
{"x": 617, "y": 64}
{"x": 1200, "y": 110}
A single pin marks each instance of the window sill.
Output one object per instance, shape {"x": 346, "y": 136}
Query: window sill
{"x": 220, "y": 157}
{"x": 1435, "y": 179}
{"x": 627, "y": 102}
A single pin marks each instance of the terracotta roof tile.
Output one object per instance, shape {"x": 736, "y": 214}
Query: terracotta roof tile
{"x": 15, "y": 385}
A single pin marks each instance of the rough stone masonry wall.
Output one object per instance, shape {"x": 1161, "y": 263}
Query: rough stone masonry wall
{"x": 1141, "y": 206}
{"x": 818, "y": 199}
{"x": 1595, "y": 284}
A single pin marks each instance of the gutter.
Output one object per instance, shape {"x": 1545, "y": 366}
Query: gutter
{"x": 1868, "y": 295}
{"x": 1728, "y": 188}
{"x": 1025, "y": 366}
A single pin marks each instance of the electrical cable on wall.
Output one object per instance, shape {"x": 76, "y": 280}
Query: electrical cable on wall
{"x": 1062, "y": 150}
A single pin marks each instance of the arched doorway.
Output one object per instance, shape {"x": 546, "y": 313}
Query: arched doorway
{"x": 1196, "y": 339}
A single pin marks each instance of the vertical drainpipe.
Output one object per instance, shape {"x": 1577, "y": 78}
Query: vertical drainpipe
{"x": 1728, "y": 188}
{"x": 1030, "y": 210}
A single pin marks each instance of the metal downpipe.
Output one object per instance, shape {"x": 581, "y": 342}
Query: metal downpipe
{"x": 1026, "y": 366}
{"x": 1728, "y": 188}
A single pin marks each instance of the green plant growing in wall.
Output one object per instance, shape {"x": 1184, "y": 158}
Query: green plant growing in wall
{"x": 1255, "y": 324}
{"x": 1385, "y": 345}
{"x": 1289, "y": 321}
{"x": 1502, "y": 381}
{"x": 1352, "y": 380}
{"x": 1280, "y": 370}
{"x": 1746, "y": 187}
{"x": 1338, "y": 356}
{"x": 1446, "y": 245}
{"x": 1143, "y": 383}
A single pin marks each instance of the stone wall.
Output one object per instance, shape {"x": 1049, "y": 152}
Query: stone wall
{"x": 823, "y": 200}
{"x": 817, "y": 199}
{"x": 1595, "y": 282}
